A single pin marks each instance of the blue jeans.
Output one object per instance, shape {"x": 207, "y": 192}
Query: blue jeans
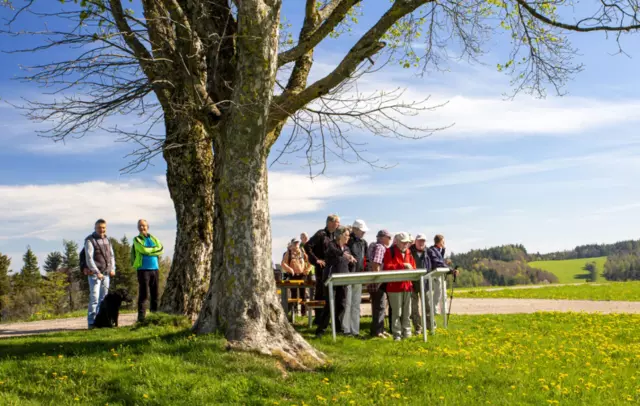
{"x": 98, "y": 289}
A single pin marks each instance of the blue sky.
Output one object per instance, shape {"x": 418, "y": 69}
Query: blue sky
{"x": 549, "y": 174}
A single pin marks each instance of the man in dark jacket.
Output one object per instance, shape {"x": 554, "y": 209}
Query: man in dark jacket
{"x": 419, "y": 253}
{"x": 436, "y": 256}
{"x": 358, "y": 247}
{"x": 316, "y": 249}
{"x": 338, "y": 260}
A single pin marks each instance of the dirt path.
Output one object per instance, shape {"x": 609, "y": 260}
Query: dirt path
{"x": 52, "y": 326}
{"x": 459, "y": 306}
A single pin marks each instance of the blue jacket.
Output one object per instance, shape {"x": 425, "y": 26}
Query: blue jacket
{"x": 436, "y": 256}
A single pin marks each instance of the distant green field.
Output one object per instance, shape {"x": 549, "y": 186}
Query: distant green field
{"x": 624, "y": 291}
{"x": 570, "y": 270}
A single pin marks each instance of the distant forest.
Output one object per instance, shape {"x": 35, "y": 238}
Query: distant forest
{"x": 508, "y": 264}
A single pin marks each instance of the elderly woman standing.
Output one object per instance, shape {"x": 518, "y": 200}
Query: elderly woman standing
{"x": 338, "y": 260}
{"x": 399, "y": 257}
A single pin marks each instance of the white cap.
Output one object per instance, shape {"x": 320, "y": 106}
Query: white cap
{"x": 360, "y": 225}
{"x": 403, "y": 237}
{"x": 421, "y": 237}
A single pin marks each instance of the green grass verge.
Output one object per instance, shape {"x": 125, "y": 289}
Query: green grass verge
{"x": 570, "y": 270}
{"x": 535, "y": 359}
{"x": 623, "y": 291}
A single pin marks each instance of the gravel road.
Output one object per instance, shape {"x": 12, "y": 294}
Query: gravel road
{"x": 459, "y": 306}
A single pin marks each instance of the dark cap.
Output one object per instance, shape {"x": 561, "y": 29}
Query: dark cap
{"x": 383, "y": 233}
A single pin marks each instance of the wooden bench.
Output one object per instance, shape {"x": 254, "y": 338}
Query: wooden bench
{"x": 313, "y": 304}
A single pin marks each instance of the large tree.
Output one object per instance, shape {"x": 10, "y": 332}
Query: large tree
{"x": 223, "y": 82}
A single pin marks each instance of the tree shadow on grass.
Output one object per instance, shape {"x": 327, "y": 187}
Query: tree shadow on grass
{"x": 76, "y": 344}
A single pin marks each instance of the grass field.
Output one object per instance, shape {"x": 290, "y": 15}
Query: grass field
{"x": 623, "y": 291}
{"x": 570, "y": 270}
{"x": 538, "y": 359}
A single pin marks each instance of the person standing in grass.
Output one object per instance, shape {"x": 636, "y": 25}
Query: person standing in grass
{"x": 339, "y": 260}
{"x": 99, "y": 265}
{"x": 316, "y": 249}
{"x": 375, "y": 256}
{"x": 358, "y": 247}
{"x": 397, "y": 258}
{"x": 436, "y": 257}
{"x": 421, "y": 258}
{"x": 145, "y": 251}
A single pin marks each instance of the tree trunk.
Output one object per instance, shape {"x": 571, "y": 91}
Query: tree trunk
{"x": 189, "y": 155}
{"x": 242, "y": 302}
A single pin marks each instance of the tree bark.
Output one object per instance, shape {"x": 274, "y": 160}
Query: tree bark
{"x": 189, "y": 156}
{"x": 242, "y": 302}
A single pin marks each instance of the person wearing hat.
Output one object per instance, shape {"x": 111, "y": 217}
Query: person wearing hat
{"x": 358, "y": 247}
{"x": 295, "y": 263}
{"x": 397, "y": 258}
{"x": 375, "y": 257}
{"x": 421, "y": 258}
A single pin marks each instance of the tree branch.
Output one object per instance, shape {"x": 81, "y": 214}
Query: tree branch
{"x": 339, "y": 9}
{"x": 368, "y": 45}
{"x": 132, "y": 41}
{"x": 576, "y": 27}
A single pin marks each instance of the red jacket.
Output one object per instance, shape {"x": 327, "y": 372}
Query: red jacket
{"x": 396, "y": 263}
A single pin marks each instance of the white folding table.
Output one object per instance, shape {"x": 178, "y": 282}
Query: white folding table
{"x": 358, "y": 278}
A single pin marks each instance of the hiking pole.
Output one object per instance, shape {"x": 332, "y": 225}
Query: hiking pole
{"x": 455, "y": 278}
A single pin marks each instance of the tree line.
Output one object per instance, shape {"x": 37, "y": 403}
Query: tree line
{"x": 507, "y": 264}
{"x": 63, "y": 288}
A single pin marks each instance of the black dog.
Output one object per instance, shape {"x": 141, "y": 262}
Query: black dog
{"x": 110, "y": 308}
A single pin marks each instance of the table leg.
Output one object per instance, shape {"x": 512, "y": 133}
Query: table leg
{"x": 424, "y": 309}
{"x": 432, "y": 316}
{"x": 333, "y": 311}
{"x": 283, "y": 299}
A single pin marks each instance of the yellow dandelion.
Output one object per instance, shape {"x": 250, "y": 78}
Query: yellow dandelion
{"x": 441, "y": 397}
{"x": 469, "y": 387}
{"x": 60, "y": 356}
{"x": 513, "y": 387}
{"x": 145, "y": 396}
{"x": 76, "y": 399}
{"x": 84, "y": 372}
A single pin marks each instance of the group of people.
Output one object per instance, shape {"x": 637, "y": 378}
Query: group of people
{"x": 343, "y": 249}
{"x": 97, "y": 261}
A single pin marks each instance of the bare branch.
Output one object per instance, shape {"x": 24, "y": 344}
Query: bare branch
{"x": 338, "y": 10}
{"x": 596, "y": 21}
{"x": 368, "y": 45}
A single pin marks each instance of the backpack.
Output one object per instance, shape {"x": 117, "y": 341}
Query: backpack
{"x": 83, "y": 260}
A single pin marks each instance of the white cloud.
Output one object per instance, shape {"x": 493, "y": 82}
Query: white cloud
{"x": 55, "y": 211}
{"x": 487, "y": 114}
{"x": 547, "y": 165}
